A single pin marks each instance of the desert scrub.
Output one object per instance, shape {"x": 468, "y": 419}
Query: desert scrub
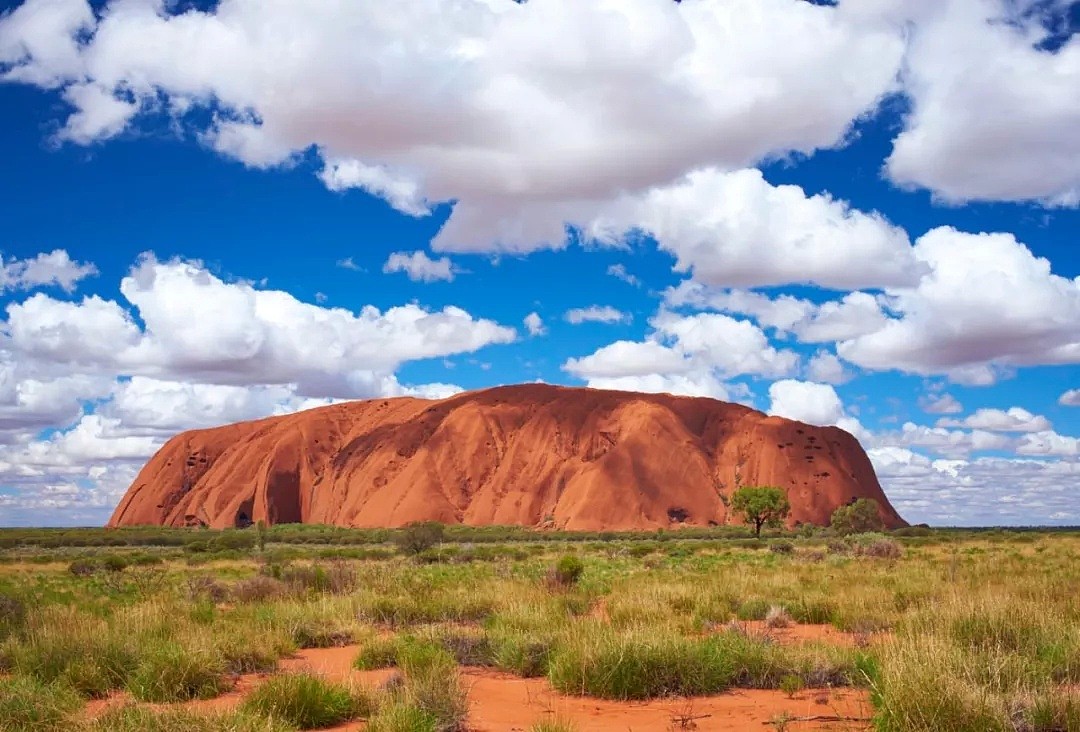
{"x": 566, "y": 572}
{"x": 639, "y": 665}
{"x": 653, "y": 662}
{"x": 62, "y": 644}
{"x": 521, "y": 652}
{"x": 467, "y": 645}
{"x": 432, "y": 684}
{"x": 169, "y": 672}
{"x": 377, "y": 651}
{"x": 980, "y": 662}
{"x": 136, "y": 718}
{"x": 413, "y": 609}
{"x": 303, "y": 701}
{"x": 398, "y": 715}
{"x": 12, "y": 615}
{"x": 29, "y": 705}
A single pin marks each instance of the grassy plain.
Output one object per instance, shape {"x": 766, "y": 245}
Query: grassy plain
{"x": 946, "y": 631}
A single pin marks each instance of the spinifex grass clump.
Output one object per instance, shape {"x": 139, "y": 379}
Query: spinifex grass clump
{"x": 986, "y": 662}
{"x": 62, "y": 644}
{"x": 645, "y": 663}
{"x": 429, "y": 697}
{"x": 29, "y": 705}
{"x": 304, "y": 701}
{"x": 169, "y": 672}
{"x": 398, "y": 715}
{"x": 640, "y": 665}
{"x": 432, "y": 685}
{"x": 377, "y": 651}
{"x": 133, "y": 718}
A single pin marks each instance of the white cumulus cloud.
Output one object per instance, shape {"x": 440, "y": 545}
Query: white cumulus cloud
{"x": 419, "y": 267}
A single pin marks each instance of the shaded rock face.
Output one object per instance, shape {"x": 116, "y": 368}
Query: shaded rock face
{"x": 533, "y": 455}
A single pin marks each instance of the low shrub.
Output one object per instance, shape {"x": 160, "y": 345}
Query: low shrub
{"x": 877, "y": 546}
{"x": 566, "y": 572}
{"x": 258, "y": 589}
{"x": 114, "y": 563}
{"x": 83, "y": 567}
{"x": 417, "y": 538}
{"x": 837, "y": 546}
{"x": 777, "y": 617}
{"x": 791, "y": 685}
{"x": 201, "y": 587}
{"x": 782, "y": 547}
{"x": 336, "y": 578}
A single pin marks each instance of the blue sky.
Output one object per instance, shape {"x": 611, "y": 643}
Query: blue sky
{"x": 876, "y": 230}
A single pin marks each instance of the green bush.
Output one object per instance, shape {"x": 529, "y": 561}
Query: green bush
{"x": 83, "y": 567}
{"x": 858, "y": 517}
{"x": 114, "y": 563}
{"x": 417, "y": 538}
{"x": 566, "y": 572}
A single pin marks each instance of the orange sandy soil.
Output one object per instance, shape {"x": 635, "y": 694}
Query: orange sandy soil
{"x": 798, "y": 633}
{"x": 501, "y": 702}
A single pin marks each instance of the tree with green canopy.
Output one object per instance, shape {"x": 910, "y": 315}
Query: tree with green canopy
{"x": 858, "y": 517}
{"x": 763, "y": 505}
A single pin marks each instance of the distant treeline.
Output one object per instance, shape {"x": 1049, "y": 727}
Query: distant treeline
{"x": 211, "y": 540}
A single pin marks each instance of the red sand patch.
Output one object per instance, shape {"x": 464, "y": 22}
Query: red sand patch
{"x": 799, "y": 633}
{"x": 501, "y": 702}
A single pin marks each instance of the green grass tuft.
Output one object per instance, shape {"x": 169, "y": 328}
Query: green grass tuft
{"x": 29, "y": 705}
{"x": 303, "y": 701}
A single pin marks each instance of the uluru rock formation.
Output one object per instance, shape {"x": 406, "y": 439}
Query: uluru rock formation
{"x": 534, "y": 455}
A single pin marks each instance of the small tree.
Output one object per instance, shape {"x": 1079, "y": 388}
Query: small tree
{"x": 858, "y": 517}
{"x": 417, "y": 538}
{"x": 260, "y": 535}
{"x": 764, "y": 505}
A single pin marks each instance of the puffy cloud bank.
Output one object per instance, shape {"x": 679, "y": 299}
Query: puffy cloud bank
{"x": 91, "y": 387}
